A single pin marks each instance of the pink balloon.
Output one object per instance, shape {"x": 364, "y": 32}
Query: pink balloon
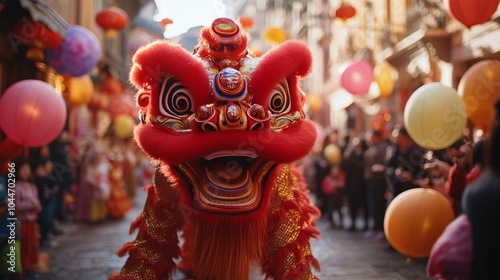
{"x": 356, "y": 77}
{"x": 32, "y": 113}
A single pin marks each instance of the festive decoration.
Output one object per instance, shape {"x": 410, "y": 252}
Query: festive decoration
{"x": 32, "y": 113}
{"x": 384, "y": 76}
{"x": 274, "y": 35}
{"x": 356, "y": 77}
{"x": 80, "y": 90}
{"x": 246, "y": 22}
{"x": 343, "y": 12}
{"x": 123, "y": 126}
{"x": 77, "y": 55}
{"x": 480, "y": 88}
{"x": 224, "y": 176}
{"x": 435, "y": 116}
{"x": 315, "y": 102}
{"x": 415, "y": 219}
{"x": 112, "y": 20}
{"x": 471, "y": 13}
{"x": 332, "y": 154}
{"x": 165, "y": 22}
{"x": 9, "y": 150}
{"x": 37, "y": 36}
{"x": 122, "y": 105}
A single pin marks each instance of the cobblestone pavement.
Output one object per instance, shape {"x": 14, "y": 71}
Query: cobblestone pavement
{"x": 87, "y": 252}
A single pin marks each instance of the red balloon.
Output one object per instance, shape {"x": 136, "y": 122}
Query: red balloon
{"x": 471, "y": 13}
{"x": 32, "y": 113}
{"x": 356, "y": 77}
{"x": 9, "y": 150}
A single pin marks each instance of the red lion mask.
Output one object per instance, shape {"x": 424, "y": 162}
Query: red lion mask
{"x": 224, "y": 129}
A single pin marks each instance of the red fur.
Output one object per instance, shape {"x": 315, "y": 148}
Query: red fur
{"x": 291, "y": 60}
{"x": 286, "y": 146}
{"x": 151, "y": 62}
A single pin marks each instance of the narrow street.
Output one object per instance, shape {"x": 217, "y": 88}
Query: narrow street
{"x": 87, "y": 252}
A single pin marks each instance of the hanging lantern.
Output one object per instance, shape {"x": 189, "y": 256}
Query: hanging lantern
{"x": 112, "y": 20}
{"x": 246, "y": 22}
{"x": 37, "y": 36}
{"x": 164, "y": 22}
{"x": 471, "y": 13}
{"x": 384, "y": 76}
{"x": 79, "y": 90}
{"x": 274, "y": 35}
{"x": 344, "y": 12}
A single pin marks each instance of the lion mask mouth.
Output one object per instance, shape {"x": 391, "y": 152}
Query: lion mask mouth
{"x": 229, "y": 181}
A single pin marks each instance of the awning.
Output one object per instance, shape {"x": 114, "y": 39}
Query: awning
{"x": 41, "y": 12}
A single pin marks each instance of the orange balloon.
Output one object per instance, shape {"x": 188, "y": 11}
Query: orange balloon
{"x": 415, "y": 219}
{"x": 480, "y": 88}
{"x": 384, "y": 76}
{"x": 274, "y": 35}
{"x": 315, "y": 102}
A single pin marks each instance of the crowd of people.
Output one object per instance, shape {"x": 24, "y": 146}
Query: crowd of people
{"x": 376, "y": 167}
{"x": 78, "y": 181}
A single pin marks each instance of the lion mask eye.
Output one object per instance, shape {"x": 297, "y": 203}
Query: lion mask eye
{"x": 279, "y": 101}
{"x": 175, "y": 100}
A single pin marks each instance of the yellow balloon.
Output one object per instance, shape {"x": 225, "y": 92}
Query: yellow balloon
{"x": 274, "y": 35}
{"x": 415, "y": 219}
{"x": 124, "y": 126}
{"x": 385, "y": 79}
{"x": 332, "y": 154}
{"x": 480, "y": 88}
{"x": 435, "y": 116}
{"x": 80, "y": 90}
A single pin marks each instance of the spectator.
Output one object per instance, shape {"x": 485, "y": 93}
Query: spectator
{"x": 403, "y": 163}
{"x": 355, "y": 182}
{"x": 333, "y": 188}
{"x": 27, "y": 209}
{"x": 374, "y": 170}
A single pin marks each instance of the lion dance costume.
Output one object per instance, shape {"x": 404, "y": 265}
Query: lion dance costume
{"x": 224, "y": 128}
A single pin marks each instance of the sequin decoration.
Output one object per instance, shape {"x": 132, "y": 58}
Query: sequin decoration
{"x": 288, "y": 229}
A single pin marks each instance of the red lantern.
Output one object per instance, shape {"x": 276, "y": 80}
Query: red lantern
{"x": 164, "y": 22}
{"x": 471, "y": 13}
{"x": 112, "y": 20}
{"x": 246, "y": 22}
{"x": 37, "y": 36}
{"x": 344, "y": 12}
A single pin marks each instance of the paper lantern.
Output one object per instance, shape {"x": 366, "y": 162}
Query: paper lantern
{"x": 471, "y": 13}
{"x": 123, "y": 126}
{"x": 274, "y": 35}
{"x": 77, "y": 55}
{"x": 384, "y": 76}
{"x": 315, "y": 102}
{"x": 344, "y": 12}
{"x": 332, "y": 154}
{"x": 480, "y": 88}
{"x": 415, "y": 219}
{"x": 37, "y": 36}
{"x": 112, "y": 20}
{"x": 356, "y": 77}
{"x": 246, "y": 22}
{"x": 435, "y": 116}
{"x": 32, "y": 113}
{"x": 80, "y": 90}
{"x": 122, "y": 105}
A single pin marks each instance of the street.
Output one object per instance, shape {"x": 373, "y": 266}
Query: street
{"x": 87, "y": 251}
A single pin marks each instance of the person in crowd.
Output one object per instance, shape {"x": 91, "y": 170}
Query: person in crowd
{"x": 27, "y": 209}
{"x": 47, "y": 190}
{"x": 355, "y": 185}
{"x": 404, "y": 163}
{"x": 97, "y": 177}
{"x": 460, "y": 176}
{"x": 433, "y": 178}
{"x": 59, "y": 153}
{"x": 84, "y": 191}
{"x": 374, "y": 174}
{"x": 333, "y": 188}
